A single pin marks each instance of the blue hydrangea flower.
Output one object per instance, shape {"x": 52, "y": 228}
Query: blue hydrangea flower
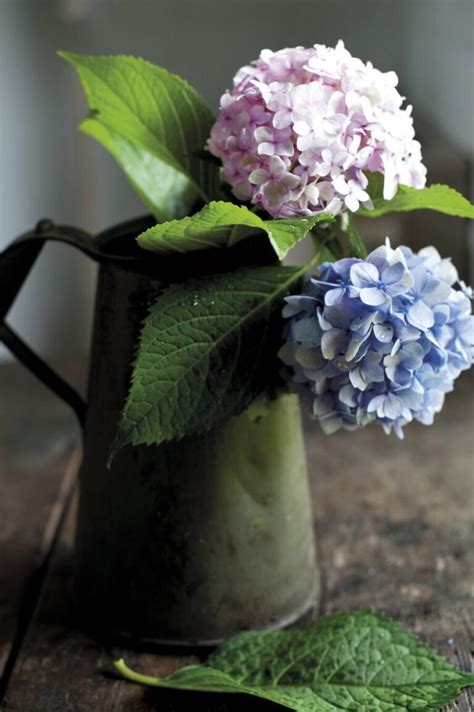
{"x": 380, "y": 339}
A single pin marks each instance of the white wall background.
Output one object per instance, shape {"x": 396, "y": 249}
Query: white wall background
{"x": 48, "y": 169}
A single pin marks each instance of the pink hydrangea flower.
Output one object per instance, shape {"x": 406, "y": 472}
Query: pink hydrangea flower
{"x": 301, "y": 127}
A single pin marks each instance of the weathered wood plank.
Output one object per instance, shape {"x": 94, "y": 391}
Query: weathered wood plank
{"x": 35, "y": 442}
{"x": 393, "y": 523}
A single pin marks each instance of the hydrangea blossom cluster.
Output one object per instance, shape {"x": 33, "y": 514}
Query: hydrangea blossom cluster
{"x": 379, "y": 339}
{"x": 301, "y": 127}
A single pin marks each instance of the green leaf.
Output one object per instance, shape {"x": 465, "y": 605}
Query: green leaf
{"x": 437, "y": 197}
{"x": 141, "y": 111}
{"x": 206, "y": 350}
{"x": 152, "y": 179}
{"x": 360, "y": 661}
{"x": 222, "y": 224}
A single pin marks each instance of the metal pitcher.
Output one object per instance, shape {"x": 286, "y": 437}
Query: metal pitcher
{"x": 190, "y": 541}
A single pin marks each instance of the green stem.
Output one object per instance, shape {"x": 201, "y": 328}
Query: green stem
{"x": 129, "y": 674}
{"x": 356, "y": 244}
{"x": 320, "y": 239}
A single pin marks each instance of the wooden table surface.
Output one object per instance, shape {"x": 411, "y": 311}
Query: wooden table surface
{"x": 393, "y": 522}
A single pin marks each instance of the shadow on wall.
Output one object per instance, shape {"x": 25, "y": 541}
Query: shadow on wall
{"x": 54, "y": 171}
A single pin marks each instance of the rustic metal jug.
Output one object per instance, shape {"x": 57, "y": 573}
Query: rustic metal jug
{"x": 190, "y": 541}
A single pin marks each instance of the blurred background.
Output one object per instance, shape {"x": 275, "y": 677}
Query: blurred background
{"x": 50, "y": 170}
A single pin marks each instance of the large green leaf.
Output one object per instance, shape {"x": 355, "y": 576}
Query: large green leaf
{"x": 166, "y": 192}
{"x": 437, "y": 197}
{"x": 222, "y": 224}
{"x": 206, "y": 350}
{"x": 157, "y": 115}
{"x": 359, "y": 662}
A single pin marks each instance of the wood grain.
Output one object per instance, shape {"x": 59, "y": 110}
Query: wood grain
{"x": 36, "y": 436}
{"x": 394, "y": 528}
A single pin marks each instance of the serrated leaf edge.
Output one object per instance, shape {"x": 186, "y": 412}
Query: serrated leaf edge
{"x": 124, "y": 439}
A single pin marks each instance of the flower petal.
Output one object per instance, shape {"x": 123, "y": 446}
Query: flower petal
{"x": 383, "y": 332}
{"x": 348, "y": 395}
{"x": 373, "y": 296}
{"x": 420, "y": 316}
{"x": 364, "y": 274}
{"x": 333, "y": 343}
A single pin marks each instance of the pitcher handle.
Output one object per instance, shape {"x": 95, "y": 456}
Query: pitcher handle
{"x": 16, "y": 262}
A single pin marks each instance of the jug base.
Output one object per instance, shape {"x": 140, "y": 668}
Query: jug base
{"x": 302, "y": 614}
